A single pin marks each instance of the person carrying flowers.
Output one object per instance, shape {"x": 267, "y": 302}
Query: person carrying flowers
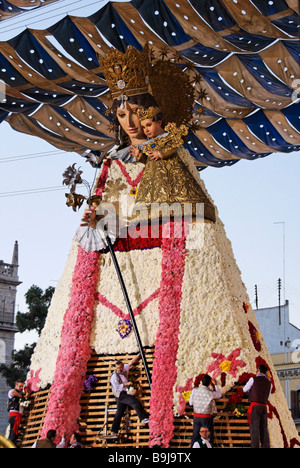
{"x": 122, "y": 390}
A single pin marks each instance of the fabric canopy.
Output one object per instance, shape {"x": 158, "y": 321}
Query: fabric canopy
{"x": 246, "y": 52}
{"x": 17, "y": 7}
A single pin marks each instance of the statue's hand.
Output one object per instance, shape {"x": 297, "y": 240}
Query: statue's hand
{"x": 89, "y": 218}
{"x": 155, "y": 155}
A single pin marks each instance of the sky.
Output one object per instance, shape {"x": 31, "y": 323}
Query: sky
{"x": 251, "y": 197}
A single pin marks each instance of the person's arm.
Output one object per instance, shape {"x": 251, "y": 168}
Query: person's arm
{"x": 134, "y": 360}
{"x": 217, "y": 394}
{"x": 248, "y": 385}
{"x": 191, "y": 398}
{"x": 123, "y": 155}
{"x": 62, "y": 443}
{"x": 15, "y": 393}
{"x": 155, "y": 155}
{"x": 271, "y": 388}
{"x": 135, "y": 152}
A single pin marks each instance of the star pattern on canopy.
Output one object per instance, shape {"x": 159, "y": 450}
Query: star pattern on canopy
{"x": 245, "y": 52}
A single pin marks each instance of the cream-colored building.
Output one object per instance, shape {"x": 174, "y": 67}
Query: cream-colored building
{"x": 283, "y": 341}
{"x": 287, "y": 366}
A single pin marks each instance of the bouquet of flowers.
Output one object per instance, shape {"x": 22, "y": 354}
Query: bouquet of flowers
{"x": 235, "y": 406}
{"x": 131, "y": 390}
{"x": 25, "y": 401}
{"x": 124, "y": 328}
{"x": 239, "y": 411}
{"x": 90, "y": 382}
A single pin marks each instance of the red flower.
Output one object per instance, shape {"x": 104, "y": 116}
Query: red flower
{"x": 198, "y": 380}
{"x": 243, "y": 379}
{"x": 236, "y": 397}
{"x": 255, "y": 336}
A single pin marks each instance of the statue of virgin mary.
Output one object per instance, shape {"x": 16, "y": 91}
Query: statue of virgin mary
{"x": 185, "y": 288}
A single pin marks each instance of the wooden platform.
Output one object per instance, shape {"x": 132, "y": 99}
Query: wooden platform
{"x": 95, "y": 421}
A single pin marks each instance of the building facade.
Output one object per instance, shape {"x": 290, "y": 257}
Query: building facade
{"x": 283, "y": 341}
{"x": 9, "y": 281}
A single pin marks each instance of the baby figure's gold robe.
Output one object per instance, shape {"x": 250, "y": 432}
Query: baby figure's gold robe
{"x": 169, "y": 181}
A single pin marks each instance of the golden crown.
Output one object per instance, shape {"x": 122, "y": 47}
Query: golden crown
{"x": 126, "y": 73}
{"x": 133, "y": 72}
{"x": 147, "y": 113}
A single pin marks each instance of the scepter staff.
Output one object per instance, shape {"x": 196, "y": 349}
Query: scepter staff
{"x": 128, "y": 305}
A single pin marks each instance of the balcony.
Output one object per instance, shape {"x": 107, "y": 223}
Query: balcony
{"x": 6, "y": 269}
{"x": 7, "y": 322}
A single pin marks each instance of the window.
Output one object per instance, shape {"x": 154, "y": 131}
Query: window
{"x": 2, "y": 352}
{"x": 295, "y": 399}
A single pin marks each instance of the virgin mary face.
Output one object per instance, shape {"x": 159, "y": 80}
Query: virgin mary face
{"x": 130, "y": 123}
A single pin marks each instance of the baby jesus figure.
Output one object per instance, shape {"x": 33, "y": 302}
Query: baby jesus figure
{"x": 152, "y": 124}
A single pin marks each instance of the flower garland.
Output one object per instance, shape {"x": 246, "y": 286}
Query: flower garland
{"x": 164, "y": 374}
{"x": 133, "y": 183}
{"x": 64, "y": 401}
{"x": 103, "y": 177}
{"x": 117, "y": 311}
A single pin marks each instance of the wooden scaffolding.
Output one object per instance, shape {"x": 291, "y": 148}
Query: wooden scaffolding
{"x": 98, "y": 408}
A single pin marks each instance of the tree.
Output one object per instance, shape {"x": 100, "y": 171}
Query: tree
{"x": 19, "y": 366}
{"x": 38, "y": 302}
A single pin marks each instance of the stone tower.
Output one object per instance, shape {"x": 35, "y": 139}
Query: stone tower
{"x": 9, "y": 280}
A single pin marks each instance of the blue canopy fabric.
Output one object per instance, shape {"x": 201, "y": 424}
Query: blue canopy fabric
{"x": 245, "y": 52}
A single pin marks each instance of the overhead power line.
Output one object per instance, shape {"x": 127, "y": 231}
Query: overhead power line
{"x": 18, "y": 22}
{"x": 22, "y": 157}
{"x": 31, "y": 191}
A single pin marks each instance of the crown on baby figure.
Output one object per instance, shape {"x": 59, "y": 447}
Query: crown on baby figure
{"x": 126, "y": 73}
{"x": 148, "y": 113}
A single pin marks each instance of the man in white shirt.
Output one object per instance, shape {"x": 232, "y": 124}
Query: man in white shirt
{"x": 120, "y": 384}
{"x": 203, "y": 401}
{"x": 203, "y": 440}
{"x": 259, "y": 389}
